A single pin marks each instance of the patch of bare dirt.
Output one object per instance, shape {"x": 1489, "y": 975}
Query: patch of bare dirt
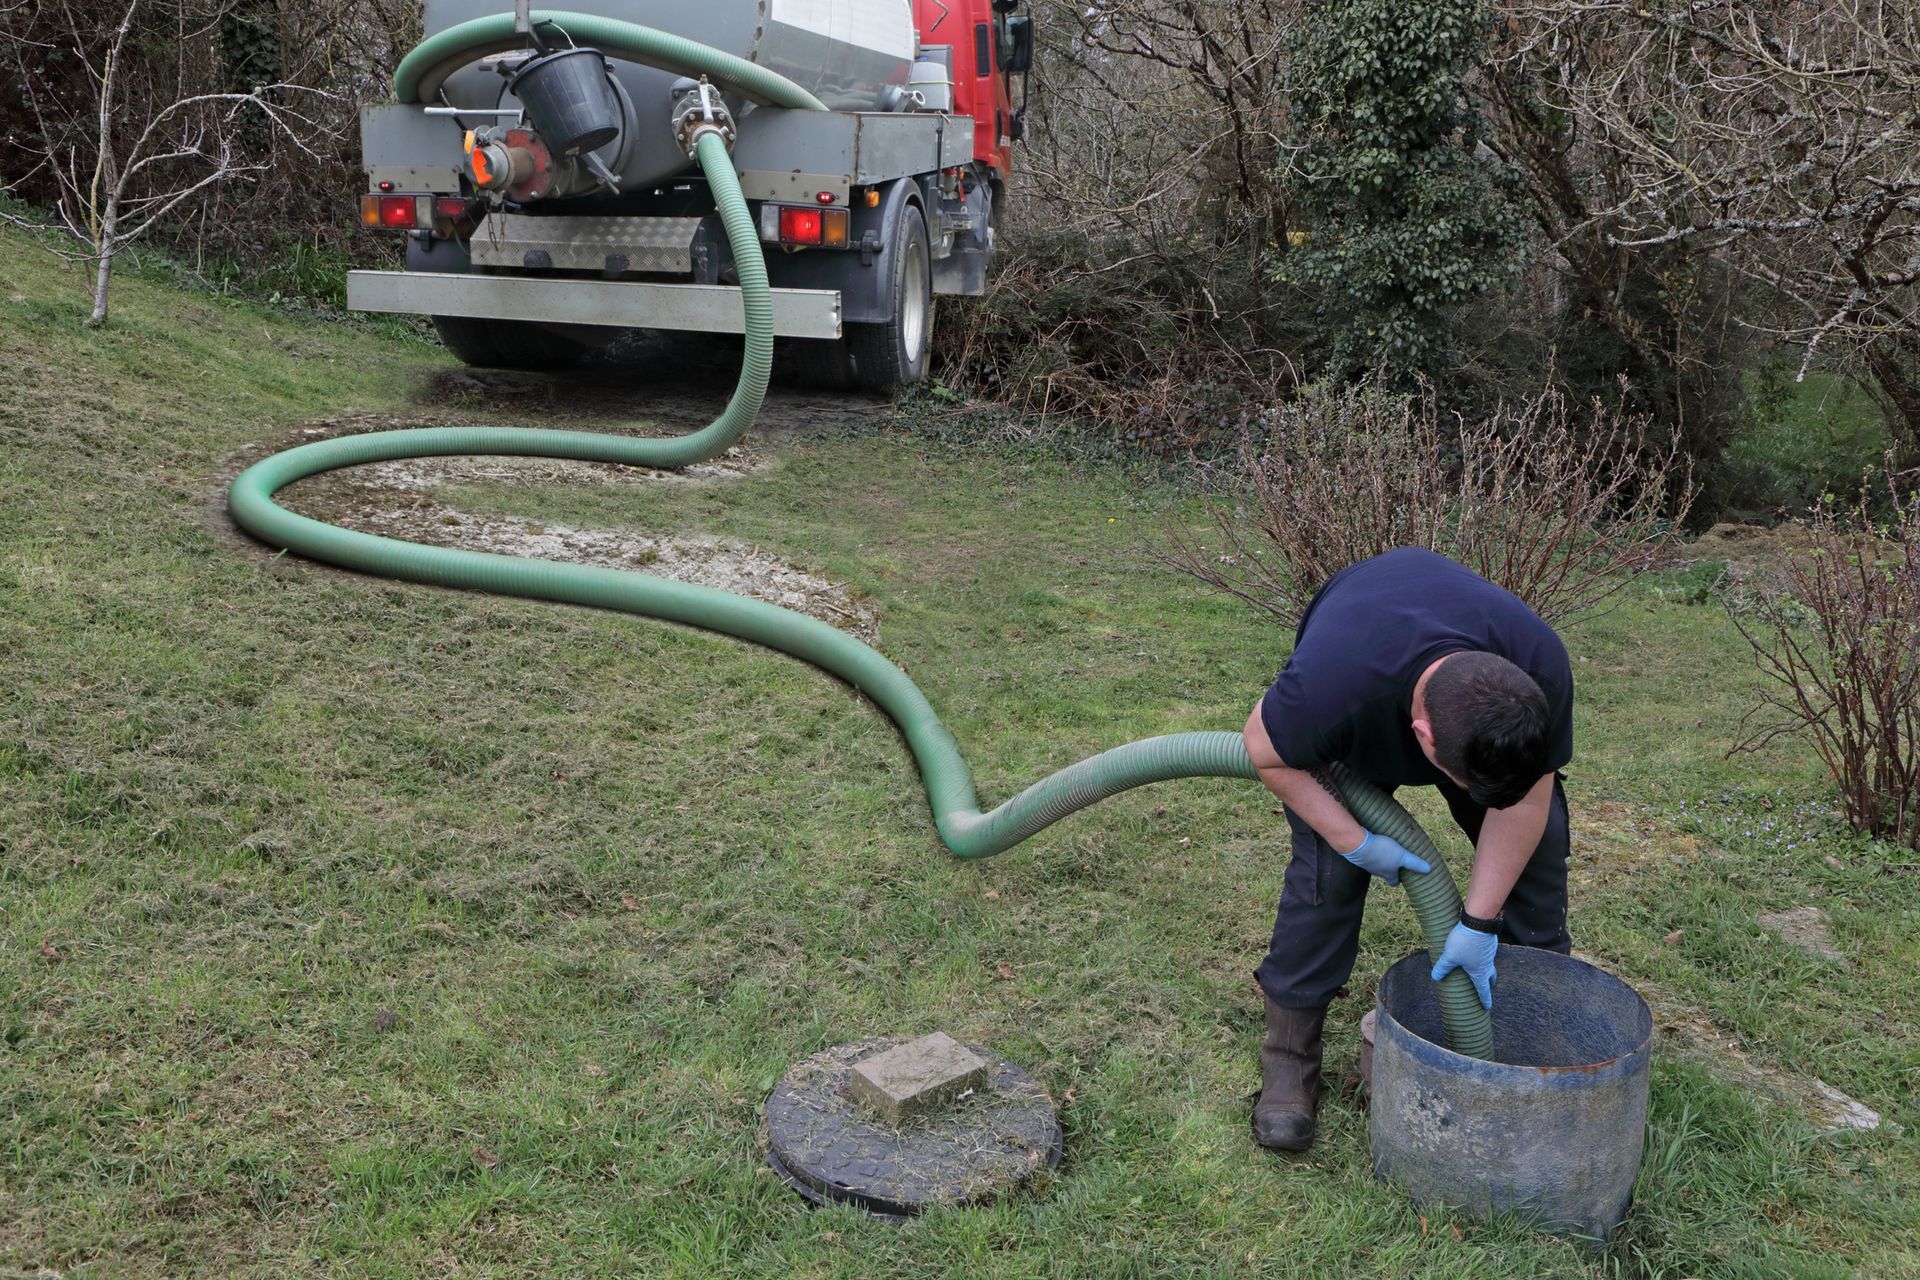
{"x": 411, "y": 474}
{"x": 1612, "y": 840}
{"x": 1751, "y": 548}
{"x": 1767, "y": 550}
{"x": 1806, "y": 928}
{"x": 397, "y": 500}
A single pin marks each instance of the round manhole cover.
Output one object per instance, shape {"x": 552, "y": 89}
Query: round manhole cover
{"x": 830, "y": 1148}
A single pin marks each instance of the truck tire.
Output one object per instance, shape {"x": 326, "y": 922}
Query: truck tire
{"x": 893, "y": 353}
{"x": 826, "y": 363}
{"x": 506, "y": 344}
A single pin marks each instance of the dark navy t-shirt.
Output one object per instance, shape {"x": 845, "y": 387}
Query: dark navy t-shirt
{"x": 1346, "y": 694}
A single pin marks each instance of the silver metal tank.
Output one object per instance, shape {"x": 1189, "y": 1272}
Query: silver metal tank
{"x": 848, "y": 53}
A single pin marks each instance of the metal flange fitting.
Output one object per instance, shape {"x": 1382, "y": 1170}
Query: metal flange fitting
{"x": 698, "y": 110}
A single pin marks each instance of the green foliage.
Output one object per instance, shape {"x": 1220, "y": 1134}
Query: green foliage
{"x": 1404, "y": 221}
{"x": 1806, "y": 437}
{"x": 250, "y": 45}
{"x": 291, "y": 268}
{"x": 1699, "y": 582}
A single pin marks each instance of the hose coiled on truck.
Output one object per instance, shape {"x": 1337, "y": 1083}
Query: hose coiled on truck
{"x": 963, "y": 827}
{"x": 425, "y": 69}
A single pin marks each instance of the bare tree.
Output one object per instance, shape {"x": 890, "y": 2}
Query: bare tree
{"x": 117, "y": 176}
{"x": 1777, "y": 138}
{"x": 1199, "y": 87}
{"x": 1146, "y": 206}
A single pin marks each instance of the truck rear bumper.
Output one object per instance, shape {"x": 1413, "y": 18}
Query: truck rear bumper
{"x": 620, "y": 304}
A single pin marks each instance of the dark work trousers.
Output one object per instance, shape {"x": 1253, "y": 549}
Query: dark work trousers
{"x": 1316, "y": 933}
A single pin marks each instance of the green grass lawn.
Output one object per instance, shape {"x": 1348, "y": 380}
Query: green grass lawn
{"x": 361, "y": 929}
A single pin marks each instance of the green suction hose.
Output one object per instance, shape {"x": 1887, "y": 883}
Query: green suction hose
{"x": 1435, "y": 900}
{"x": 421, "y": 73}
{"x": 965, "y": 830}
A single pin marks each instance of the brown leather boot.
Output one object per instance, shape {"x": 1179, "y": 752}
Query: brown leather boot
{"x": 1289, "y": 1078}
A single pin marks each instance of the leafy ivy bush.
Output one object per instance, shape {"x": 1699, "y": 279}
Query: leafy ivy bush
{"x": 1405, "y": 217}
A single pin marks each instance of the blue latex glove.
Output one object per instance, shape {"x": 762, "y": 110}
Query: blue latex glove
{"x": 1471, "y": 951}
{"x": 1383, "y": 857}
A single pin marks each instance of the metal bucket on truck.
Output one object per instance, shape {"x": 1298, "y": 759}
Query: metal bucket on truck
{"x": 1552, "y": 1128}
{"x": 854, "y": 55}
{"x": 569, "y": 100}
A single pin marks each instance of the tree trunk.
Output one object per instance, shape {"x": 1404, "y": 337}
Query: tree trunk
{"x": 1894, "y": 369}
{"x": 105, "y": 245}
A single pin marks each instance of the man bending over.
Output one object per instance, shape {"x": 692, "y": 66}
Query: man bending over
{"x": 1410, "y": 670}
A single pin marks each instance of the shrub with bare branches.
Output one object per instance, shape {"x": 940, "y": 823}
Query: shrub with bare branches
{"x": 1837, "y": 636}
{"x": 1561, "y": 505}
{"x": 1074, "y": 328}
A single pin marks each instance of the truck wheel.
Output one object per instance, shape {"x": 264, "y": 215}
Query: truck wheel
{"x": 506, "y": 344}
{"x": 826, "y": 363}
{"x": 893, "y": 353}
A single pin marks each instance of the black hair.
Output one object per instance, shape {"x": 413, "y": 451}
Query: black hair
{"x": 1490, "y": 726}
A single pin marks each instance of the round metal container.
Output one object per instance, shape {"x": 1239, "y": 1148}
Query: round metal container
{"x": 845, "y": 52}
{"x": 1552, "y": 1129}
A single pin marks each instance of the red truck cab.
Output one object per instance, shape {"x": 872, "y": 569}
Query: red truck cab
{"x": 982, "y": 34}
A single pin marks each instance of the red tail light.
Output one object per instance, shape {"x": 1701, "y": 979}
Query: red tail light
{"x": 396, "y": 213}
{"x": 800, "y": 226}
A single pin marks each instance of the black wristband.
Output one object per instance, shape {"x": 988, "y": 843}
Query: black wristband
{"x": 1484, "y": 926}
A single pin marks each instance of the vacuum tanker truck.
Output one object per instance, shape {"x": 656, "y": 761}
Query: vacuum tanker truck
{"x": 549, "y": 199}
